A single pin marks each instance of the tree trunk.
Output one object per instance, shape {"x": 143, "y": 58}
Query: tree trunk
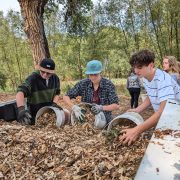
{"x": 155, "y": 28}
{"x": 126, "y": 46}
{"x": 79, "y": 60}
{"x": 134, "y": 33}
{"x": 32, "y": 12}
{"x": 177, "y": 40}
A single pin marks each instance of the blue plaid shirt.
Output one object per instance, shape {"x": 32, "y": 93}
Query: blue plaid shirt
{"x": 107, "y": 93}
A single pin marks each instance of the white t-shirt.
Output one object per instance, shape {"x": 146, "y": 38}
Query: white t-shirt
{"x": 161, "y": 88}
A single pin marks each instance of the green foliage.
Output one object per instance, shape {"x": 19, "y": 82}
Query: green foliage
{"x": 112, "y": 135}
{"x": 120, "y": 84}
{"x": 3, "y": 80}
{"x": 66, "y": 86}
{"x": 15, "y": 57}
{"x": 110, "y": 32}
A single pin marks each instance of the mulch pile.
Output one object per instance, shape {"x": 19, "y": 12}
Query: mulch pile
{"x": 79, "y": 152}
{"x": 47, "y": 120}
{"x": 162, "y": 133}
{"x": 72, "y": 152}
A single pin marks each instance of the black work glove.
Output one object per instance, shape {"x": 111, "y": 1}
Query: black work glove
{"x": 96, "y": 108}
{"x": 24, "y": 116}
{"x": 57, "y": 106}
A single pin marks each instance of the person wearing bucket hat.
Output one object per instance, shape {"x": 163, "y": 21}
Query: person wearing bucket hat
{"x": 160, "y": 87}
{"x": 41, "y": 88}
{"x": 96, "y": 90}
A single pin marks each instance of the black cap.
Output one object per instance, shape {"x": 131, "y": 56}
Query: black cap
{"x": 47, "y": 65}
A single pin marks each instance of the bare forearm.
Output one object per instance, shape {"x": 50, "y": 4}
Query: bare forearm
{"x": 130, "y": 135}
{"x": 110, "y": 107}
{"x": 153, "y": 120}
{"x": 68, "y": 101}
{"x": 56, "y": 99}
{"x": 150, "y": 122}
{"x": 20, "y": 99}
{"x": 143, "y": 106}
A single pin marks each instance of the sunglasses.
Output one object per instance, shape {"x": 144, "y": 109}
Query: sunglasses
{"x": 43, "y": 72}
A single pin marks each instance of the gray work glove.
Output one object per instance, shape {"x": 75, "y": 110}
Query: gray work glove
{"x": 100, "y": 120}
{"x": 79, "y": 113}
{"x": 24, "y": 116}
{"x": 96, "y": 108}
{"x": 57, "y": 106}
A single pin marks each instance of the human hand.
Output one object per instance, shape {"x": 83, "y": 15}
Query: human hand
{"x": 78, "y": 111}
{"x": 96, "y": 108}
{"x": 129, "y": 135}
{"x": 57, "y": 106}
{"x": 24, "y": 116}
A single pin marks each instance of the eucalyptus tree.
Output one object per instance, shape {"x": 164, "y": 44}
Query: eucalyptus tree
{"x": 33, "y": 11}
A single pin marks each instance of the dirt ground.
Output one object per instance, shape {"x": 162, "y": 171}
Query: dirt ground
{"x": 70, "y": 152}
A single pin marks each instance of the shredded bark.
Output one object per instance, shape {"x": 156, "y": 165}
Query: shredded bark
{"x": 82, "y": 152}
{"x": 161, "y": 133}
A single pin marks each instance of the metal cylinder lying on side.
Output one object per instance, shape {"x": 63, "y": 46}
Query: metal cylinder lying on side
{"x": 131, "y": 116}
{"x": 60, "y": 116}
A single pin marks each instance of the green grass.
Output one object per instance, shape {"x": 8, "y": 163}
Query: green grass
{"x": 120, "y": 85}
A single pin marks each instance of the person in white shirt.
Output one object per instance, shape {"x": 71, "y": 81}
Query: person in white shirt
{"x": 160, "y": 87}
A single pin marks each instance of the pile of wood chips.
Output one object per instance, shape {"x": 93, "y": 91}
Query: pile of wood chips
{"x": 47, "y": 120}
{"x": 89, "y": 117}
{"x": 115, "y": 131}
{"x": 71, "y": 152}
{"x": 161, "y": 133}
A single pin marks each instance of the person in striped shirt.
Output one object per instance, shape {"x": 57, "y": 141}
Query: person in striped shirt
{"x": 160, "y": 87}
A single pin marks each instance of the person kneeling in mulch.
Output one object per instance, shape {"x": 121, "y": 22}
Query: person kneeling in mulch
{"x": 41, "y": 88}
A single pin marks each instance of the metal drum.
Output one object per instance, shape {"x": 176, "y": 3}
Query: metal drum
{"x": 132, "y": 116}
{"x": 60, "y": 116}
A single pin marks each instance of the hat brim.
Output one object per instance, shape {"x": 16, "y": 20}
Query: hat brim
{"x": 94, "y": 72}
{"x": 46, "y": 70}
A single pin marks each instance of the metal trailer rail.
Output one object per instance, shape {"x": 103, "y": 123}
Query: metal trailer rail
{"x": 162, "y": 157}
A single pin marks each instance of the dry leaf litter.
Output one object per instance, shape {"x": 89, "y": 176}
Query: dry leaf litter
{"x": 44, "y": 151}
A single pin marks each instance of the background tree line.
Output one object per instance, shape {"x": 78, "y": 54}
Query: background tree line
{"x": 109, "y": 31}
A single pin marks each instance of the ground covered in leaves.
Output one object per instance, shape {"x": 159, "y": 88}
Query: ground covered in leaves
{"x": 71, "y": 152}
